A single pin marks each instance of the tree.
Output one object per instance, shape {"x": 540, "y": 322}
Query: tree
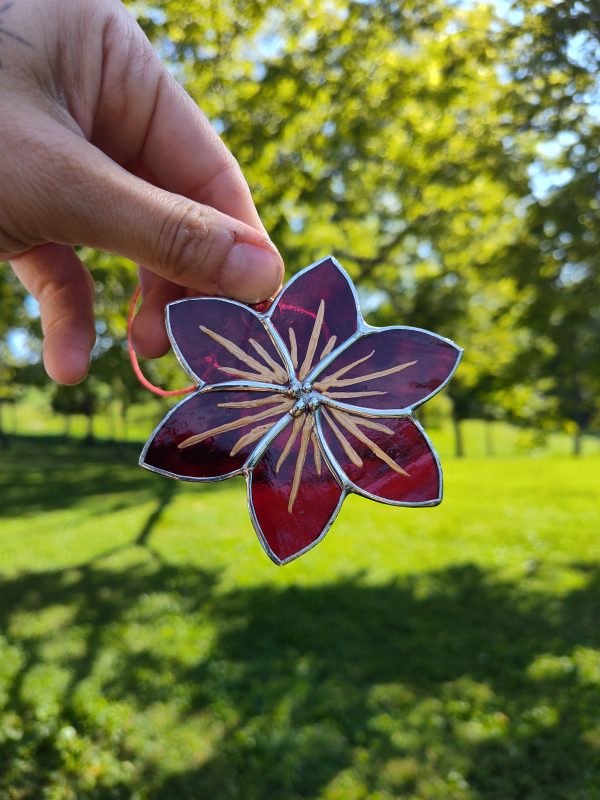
{"x": 554, "y": 91}
{"x": 371, "y": 130}
{"x": 71, "y": 400}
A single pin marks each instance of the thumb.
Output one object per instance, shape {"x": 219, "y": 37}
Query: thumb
{"x": 101, "y": 205}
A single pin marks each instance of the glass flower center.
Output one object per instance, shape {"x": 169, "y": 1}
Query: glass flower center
{"x": 306, "y": 398}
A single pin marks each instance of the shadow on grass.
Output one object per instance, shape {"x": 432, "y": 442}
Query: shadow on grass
{"x": 450, "y": 684}
{"x": 48, "y": 474}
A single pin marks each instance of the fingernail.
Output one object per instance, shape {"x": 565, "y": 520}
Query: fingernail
{"x": 250, "y": 273}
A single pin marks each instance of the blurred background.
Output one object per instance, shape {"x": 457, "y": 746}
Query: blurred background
{"x": 448, "y": 154}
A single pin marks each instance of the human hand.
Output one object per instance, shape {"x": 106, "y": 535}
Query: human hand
{"x": 99, "y": 146}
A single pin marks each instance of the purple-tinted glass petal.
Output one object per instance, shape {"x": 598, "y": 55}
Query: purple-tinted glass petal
{"x": 218, "y": 340}
{"x": 391, "y": 460}
{"x": 389, "y": 369}
{"x": 234, "y": 422}
{"x": 294, "y": 494}
{"x": 319, "y": 307}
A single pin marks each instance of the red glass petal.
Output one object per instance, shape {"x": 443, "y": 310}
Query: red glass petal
{"x": 298, "y": 308}
{"x": 404, "y": 444}
{"x": 393, "y": 369}
{"x": 223, "y": 341}
{"x": 289, "y": 523}
{"x": 233, "y": 430}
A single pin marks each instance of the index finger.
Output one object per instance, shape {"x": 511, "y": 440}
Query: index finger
{"x": 145, "y": 118}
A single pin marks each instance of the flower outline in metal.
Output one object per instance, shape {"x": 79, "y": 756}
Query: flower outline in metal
{"x": 294, "y": 375}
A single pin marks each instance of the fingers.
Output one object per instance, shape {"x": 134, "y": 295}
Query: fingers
{"x": 154, "y": 127}
{"x": 186, "y": 155}
{"x": 65, "y": 291}
{"x": 88, "y": 199}
{"x": 151, "y": 120}
{"x": 148, "y": 331}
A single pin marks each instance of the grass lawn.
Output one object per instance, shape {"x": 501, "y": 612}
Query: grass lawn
{"x": 149, "y": 650}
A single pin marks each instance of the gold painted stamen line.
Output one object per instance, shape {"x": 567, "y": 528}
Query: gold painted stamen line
{"x": 262, "y": 401}
{"x": 290, "y": 442}
{"x": 293, "y": 348}
{"x": 328, "y": 347}
{"x": 250, "y": 376}
{"x": 347, "y": 423}
{"x": 312, "y": 342}
{"x": 278, "y": 371}
{"x": 372, "y": 376}
{"x": 322, "y": 386}
{"x": 250, "y": 437}
{"x": 237, "y": 423}
{"x": 346, "y": 446}
{"x": 317, "y": 451}
{"x": 300, "y": 461}
{"x": 375, "y": 426}
{"x": 236, "y": 351}
{"x": 348, "y": 395}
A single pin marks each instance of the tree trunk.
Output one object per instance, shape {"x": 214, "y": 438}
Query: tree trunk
{"x": 122, "y": 441}
{"x": 459, "y": 449}
{"x": 112, "y": 423}
{"x": 578, "y": 442}
{"x": 89, "y": 436}
{"x": 489, "y": 441}
{"x": 67, "y": 430}
{"x": 124, "y": 417}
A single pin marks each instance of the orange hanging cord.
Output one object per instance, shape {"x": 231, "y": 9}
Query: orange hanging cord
{"x": 134, "y": 359}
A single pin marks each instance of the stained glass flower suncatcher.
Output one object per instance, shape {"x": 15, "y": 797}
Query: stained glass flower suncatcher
{"x": 307, "y": 401}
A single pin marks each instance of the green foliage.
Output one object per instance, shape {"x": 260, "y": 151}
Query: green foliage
{"x": 555, "y": 260}
{"x": 71, "y": 400}
{"x": 447, "y": 153}
{"x": 412, "y": 132}
{"x": 11, "y": 299}
{"x": 149, "y": 650}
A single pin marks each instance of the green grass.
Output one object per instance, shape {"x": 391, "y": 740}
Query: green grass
{"x": 150, "y": 650}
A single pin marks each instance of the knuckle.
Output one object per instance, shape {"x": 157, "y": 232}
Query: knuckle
{"x": 60, "y": 324}
{"x": 18, "y": 223}
{"x": 50, "y": 291}
{"x": 230, "y": 164}
{"x": 10, "y": 246}
{"x": 58, "y": 311}
{"x": 227, "y": 172}
{"x": 65, "y": 168}
{"x": 136, "y": 62}
{"x": 186, "y": 240}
